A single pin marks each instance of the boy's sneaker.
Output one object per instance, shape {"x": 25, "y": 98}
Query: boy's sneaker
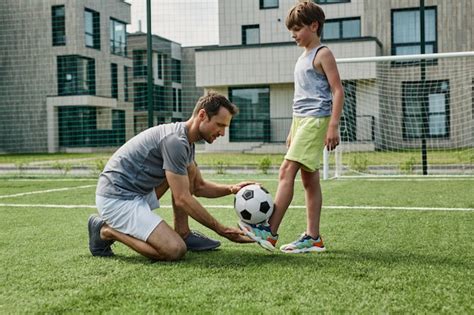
{"x": 98, "y": 246}
{"x": 305, "y": 244}
{"x": 261, "y": 234}
{"x": 197, "y": 242}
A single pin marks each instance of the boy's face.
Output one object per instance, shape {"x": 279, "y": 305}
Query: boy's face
{"x": 304, "y": 35}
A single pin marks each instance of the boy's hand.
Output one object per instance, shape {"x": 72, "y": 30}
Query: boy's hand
{"x": 332, "y": 138}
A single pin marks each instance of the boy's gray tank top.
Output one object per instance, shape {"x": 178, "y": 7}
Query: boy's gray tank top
{"x": 139, "y": 165}
{"x": 312, "y": 91}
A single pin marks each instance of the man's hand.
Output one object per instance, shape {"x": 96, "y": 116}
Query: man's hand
{"x": 235, "y": 235}
{"x": 235, "y": 188}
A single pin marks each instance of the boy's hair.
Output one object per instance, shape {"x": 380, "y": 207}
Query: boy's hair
{"x": 212, "y": 102}
{"x": 304, "y": 14}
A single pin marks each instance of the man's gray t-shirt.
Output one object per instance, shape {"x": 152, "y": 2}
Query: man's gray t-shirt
{"x": 139, "y": 165}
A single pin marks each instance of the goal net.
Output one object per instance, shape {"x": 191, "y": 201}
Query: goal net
{"x": 413, "y": 116}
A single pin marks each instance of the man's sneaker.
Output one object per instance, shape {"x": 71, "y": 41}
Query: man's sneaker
{"x": 98, "y": 246}
{"x": 261, "y": 234}
{"x": 305, "y": 244}
{"x": 197, "y": 242}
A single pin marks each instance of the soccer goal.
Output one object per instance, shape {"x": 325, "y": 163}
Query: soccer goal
{"x": 408, "y": 115}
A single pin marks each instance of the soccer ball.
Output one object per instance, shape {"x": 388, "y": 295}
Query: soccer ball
{"x": 253, "y": 204}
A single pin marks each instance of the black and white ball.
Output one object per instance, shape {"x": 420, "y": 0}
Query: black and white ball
{"x": 253, "y": 204}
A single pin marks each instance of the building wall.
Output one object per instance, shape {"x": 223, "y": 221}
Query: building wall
{"x": 29, "y": 67}
{"x": 379, "y": 86}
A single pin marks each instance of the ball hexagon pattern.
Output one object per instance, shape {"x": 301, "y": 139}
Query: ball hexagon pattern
{"x": 253, "y": 204}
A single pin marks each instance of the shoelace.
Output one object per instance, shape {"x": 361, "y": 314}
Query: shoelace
{"x": 198, "y": 234}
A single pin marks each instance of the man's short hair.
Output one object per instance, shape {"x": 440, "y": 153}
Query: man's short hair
{"x": 304, "y": 14}
{"x": 212, "y": 102}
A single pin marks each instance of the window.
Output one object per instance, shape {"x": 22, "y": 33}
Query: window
{"x": 331, "y": 1}
{"x": 253, "y": 121}
{"x": 176, "y": 70}
{"x": 139, "y": 63}
{"x": 58, "y": 21}
{"x": 406, "y": 38}
{"x": 268, "y": 4}
{"x": 118, "y": 39}
{"x": 92, "y": 28}
{"x": 126, "y": 87}
{"x": 426, "y": 109}
{"x": 159, "y": 67}
{"x": 114, "y": 80}
{"x": 76, "y": 75}
{"x": 341, "y": 28}
{"x": 77, "y": 126}
{"x": 177, "y": 100}
{"x": 250, "y": 34}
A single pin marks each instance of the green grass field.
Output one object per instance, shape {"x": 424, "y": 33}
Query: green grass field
{"x": 385, "y": 254}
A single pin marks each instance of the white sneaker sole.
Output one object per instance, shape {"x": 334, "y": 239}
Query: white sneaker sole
{"x": 263, "y": 243}
{"x": 303, "y": 250}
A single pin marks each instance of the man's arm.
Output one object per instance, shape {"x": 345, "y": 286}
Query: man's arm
{"x": 179, "y": 186}
{"x": 207, "y": 189}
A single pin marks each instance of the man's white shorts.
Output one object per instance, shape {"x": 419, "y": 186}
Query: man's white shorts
{"x": 133, "y": 217}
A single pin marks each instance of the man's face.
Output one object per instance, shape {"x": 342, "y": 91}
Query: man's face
{"x": 210, "y": 129}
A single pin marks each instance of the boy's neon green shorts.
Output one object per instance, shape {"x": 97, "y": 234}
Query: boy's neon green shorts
{"x": 307, "y": 136}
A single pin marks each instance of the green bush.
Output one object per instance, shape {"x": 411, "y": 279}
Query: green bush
{"x": 264, "y": 165}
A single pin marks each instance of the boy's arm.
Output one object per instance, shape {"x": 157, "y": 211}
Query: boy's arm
{"x": 328, "y": 63}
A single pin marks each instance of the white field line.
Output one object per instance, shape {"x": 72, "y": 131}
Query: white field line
{"x": 45, "y": 191}
{"x": 231, "y": 207}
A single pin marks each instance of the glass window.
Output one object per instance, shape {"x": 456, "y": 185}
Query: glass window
{"x": 250, "y": 34}
{"x": 160, "y": 67}
{"x": 177, "y": 100}
{"x": 351, "y": 28}
{"x": 58, "y": 21}
{"x": 253, "y": 121}
{"x": 268, "y": 4}
{"x": 76, "y": 75}
{"x": 139, "y": 63}
{"x": 118, "y": 39}
{"x": 341, "y": 28}
{"x": 331, "y": 30}
{"x": 92, "y": 28}
{"x": 126, "y": 87}
{"x": 114, "y": 80}
{"x": 176, "y": 70}
{"x": 406, "y": 37}
{"x": 331, "y": 1}
{"x": 426, "y": 109}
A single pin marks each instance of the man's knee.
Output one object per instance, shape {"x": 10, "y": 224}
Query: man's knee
{"x": 167, "y": 243}
{"x": 176, "y": 251}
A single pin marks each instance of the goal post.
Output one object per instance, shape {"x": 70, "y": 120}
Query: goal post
{"x": 401, "y": 102}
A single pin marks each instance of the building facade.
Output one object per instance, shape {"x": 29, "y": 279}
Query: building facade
{"x": 254, "y": 61}
{"x": 65, "y": 75}
{"x": 174, "y": 88}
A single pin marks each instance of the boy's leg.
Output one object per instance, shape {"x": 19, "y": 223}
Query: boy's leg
{"x": 284, "y": 194}
{"x": 313, "y": 199}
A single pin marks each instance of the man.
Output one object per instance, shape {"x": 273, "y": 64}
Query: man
{"x": 142, "y": 170}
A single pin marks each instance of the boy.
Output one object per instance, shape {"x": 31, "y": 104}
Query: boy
{"x": 315, "y": 124}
